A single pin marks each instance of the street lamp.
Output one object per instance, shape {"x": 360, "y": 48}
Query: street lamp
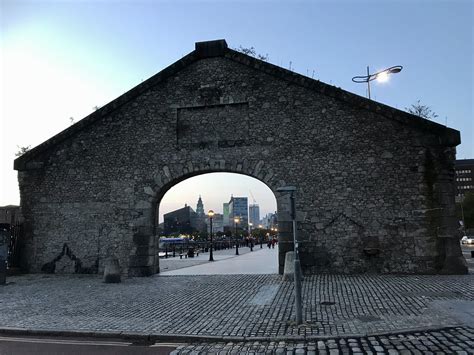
{"x": 291, "y": 190}
{"x": 236, "y": 220}
{"x": 250, "y": 236}
{"x": 210, "y": 214}
{"x": 381, "y": 76}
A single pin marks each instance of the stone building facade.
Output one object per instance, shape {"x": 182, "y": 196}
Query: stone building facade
{"x": 375, "y": 185}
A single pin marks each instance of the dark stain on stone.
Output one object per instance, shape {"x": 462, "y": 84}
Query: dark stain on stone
{"x": 50, "y": 267}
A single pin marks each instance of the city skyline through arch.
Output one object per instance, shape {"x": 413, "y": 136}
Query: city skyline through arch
{"x": 215, "y": 189}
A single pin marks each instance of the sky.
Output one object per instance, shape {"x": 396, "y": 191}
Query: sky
{"x": 59, "y": 59}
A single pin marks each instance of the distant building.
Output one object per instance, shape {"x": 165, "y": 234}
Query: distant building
{"x": 200, "y": 208}
{"x": 225, "y": 216}
{"x": 179, "y": 221}
{"x": 270, "y": 221}
{"x": 238, "y": 207}
{"x": 199, "y": 222}
{"x": 217, "y": 223}
{"x": 10, "y": 214}
{"x": 464, "y": 170}
{"x": 254, "y": 215}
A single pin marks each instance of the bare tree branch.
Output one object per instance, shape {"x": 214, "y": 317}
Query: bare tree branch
{"x": 422, "y": 111}
{"x": 251, "y": 52}
{"x": 22, "y": 150}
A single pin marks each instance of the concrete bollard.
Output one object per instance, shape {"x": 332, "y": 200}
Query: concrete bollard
{"x": 112, "y": 270}
{"x": 289, "y": 270}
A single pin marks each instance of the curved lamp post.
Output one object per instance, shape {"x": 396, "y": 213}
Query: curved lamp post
{"x": 236, "y": 220}
{"x": 381, "y": 76}
{"x": 210, "y": 215}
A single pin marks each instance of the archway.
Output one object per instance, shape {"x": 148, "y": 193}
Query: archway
{"x": 244, "y": 220}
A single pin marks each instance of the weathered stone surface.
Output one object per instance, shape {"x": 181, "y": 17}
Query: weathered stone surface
{"x": 365, "y": 172}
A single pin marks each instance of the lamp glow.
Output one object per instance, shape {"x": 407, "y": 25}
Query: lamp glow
{"x": 382, "y": 77}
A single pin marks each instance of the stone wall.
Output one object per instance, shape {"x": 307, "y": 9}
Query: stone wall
{"x": 375, "y": 185}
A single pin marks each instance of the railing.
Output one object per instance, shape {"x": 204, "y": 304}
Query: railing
{"x": 12, "y": 234}
{"x": 16, "y": 233}
{"x": 171, "y": 250}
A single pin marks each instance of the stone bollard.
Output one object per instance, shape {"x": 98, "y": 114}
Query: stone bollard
{"x": 289, "y": 270}
{"x": 112, "y": 270}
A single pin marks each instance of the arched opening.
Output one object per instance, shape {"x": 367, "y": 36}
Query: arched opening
{"x": 241, "y": 233}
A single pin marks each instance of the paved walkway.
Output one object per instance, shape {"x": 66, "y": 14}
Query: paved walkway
{"x": 174, "y": 263}
{"x": 259, "y": 261}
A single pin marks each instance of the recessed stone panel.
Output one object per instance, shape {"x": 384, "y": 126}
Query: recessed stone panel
{"x": 213, "y": 125}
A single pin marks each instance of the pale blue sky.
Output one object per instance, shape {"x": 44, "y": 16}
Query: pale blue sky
{"x": 61, "y": 58}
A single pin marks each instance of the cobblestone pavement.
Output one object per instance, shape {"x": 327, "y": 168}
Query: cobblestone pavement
{"x": 457, "y": 340}
{"x": 237, "y": 307}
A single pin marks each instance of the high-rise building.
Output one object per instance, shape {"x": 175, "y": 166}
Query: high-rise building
{"x": 464, "y": 170}
{"x": 254, "y": 215}
{"x": 238, "y": 207}
{"x": 217, "y": 223}
{"x": 225, "y": 215}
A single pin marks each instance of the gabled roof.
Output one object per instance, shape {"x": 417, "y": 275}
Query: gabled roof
{"x": 219, "y": 48}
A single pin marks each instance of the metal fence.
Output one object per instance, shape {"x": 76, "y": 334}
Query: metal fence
{"x": 192, "y": 247}
{"x": 14, "y": 234}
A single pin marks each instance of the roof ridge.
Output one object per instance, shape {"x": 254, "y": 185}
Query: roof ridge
{"x": 337, "y": 92}
{"x": 218, "y": 48}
